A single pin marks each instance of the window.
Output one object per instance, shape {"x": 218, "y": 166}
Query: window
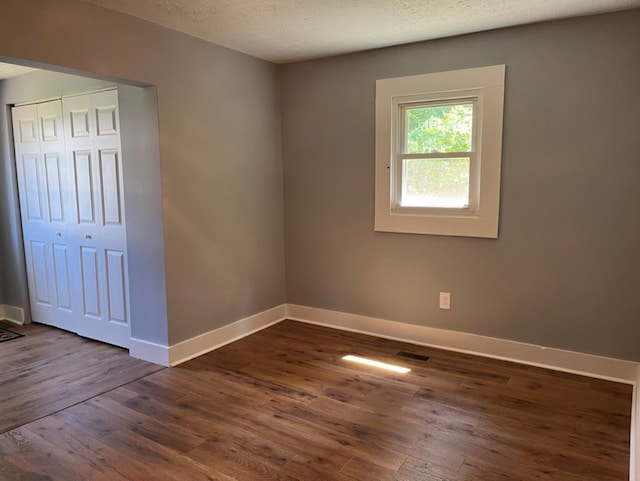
{"x": 435, "y": 155}
{"x": 438, "y": 151}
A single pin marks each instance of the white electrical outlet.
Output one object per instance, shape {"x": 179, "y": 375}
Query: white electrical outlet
{"x": 445, "y": 300}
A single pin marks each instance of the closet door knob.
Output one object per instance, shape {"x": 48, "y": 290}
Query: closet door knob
{"x": 88, "y": 236}
{"x": 58, "y": 234}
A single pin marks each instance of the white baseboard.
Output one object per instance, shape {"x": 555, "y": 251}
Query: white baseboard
{"x": 203, "y": 343}
{"x": 149, "y": 351}
{"x": 558, "y": 359}
{"x": 12, "y": 314}
{"x": 209, "y": 341}
{"x": 561, "y": 360}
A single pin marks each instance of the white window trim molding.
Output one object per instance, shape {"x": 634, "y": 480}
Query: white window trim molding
{"x": 487, "y": 85}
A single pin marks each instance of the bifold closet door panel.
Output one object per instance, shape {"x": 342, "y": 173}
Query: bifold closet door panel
{"x": 43, "y": 188}
{"x": 92, "y": 129}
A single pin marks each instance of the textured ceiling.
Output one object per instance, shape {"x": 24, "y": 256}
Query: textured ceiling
{"x": 8, "y": 70}
{"x": 288, "y": 30}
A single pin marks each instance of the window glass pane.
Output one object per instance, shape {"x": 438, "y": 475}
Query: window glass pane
{"x": 441, "y": 128}
{"x": 436, "y": 183}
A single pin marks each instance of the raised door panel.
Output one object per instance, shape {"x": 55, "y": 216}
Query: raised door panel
{"x": 79, "y": 123}
{"x": 93, "y": 320}
{"x": 61, "y": 263}
{"x": 34, "y": 195}
{"x": 39, "y": 254}
{"x": 116, "y": 287}
{"x": 110, "y": 187}
{"x": 106, "y": 115}
{"x": 54, "y": 170}
{"x": 50, "y": 128}
{"x": 27, "y": 127}
{"x": 83, "y": 188}
{"x": 90, "y": 277}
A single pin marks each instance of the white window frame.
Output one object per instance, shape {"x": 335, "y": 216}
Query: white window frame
{"x": 399, "y": 133}
{"x": 483, "y": 86}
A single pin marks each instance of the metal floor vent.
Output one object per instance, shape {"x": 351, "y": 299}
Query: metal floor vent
{"x": 413, "y": 356}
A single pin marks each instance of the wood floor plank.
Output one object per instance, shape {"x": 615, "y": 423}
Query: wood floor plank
{"x": 356, "y": 466}
{"x": 146, "y": 426}
{"x": 314, "y": 469}
{"x": 283, "y": 405}
{"x": 415, "y": 469}
{"x": 39, "y": 458}
{"x": 51, "y": 369}
{"x": 348, "y": 438}
{"x": 65, "y": 433}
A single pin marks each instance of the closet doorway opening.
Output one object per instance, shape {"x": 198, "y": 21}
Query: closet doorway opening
{"x": 83, "y": 216}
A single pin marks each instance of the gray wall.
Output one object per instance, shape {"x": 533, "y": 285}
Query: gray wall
{"x": 564, "y": 271}
{"x": 143, "y": 203}
{"x": 220, "y": 150}
{"x": 13, "y": 283}
{"x": 4, "y": 205}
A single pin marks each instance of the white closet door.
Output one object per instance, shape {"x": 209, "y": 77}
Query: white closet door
{"x": 42, "y": 184}
{"x": 92, "y": 130}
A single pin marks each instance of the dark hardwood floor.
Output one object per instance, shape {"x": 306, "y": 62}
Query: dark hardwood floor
{"x": 283, "y": 405}
{"x": 50, "y": 369}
